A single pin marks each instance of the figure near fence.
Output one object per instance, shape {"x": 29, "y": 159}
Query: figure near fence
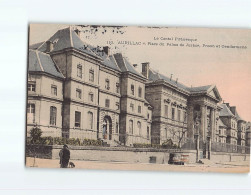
{"x": 64, "y": 155}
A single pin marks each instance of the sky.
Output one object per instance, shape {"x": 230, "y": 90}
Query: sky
{"x": 210, "y": 63}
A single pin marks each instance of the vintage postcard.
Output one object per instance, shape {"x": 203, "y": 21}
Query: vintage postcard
{"x": 138, "y": 98}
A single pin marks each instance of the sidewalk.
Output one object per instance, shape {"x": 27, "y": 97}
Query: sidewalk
{"x": 229, "y": 167}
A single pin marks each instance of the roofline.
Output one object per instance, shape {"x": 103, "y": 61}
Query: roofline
{"x": 46, "y": 74}
{"x": 165, "y": 83}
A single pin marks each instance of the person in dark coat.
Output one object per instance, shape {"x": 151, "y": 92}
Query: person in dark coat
{"x": 64, "y": 155}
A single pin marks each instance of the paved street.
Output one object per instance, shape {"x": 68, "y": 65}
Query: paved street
{"x": 228, "y": 167}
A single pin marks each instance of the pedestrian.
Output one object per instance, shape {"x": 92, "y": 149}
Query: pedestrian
{"x": 64, "y": 155}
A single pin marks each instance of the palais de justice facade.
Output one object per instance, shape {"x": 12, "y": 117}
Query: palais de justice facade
{"x": 79, "y": 91}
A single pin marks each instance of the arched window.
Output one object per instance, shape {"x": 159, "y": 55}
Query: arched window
{"x": 90, "y": 120}
{"x": 53, "y": 115}
{"x": 139, "y": 127}
{"x": 131, "y": 126}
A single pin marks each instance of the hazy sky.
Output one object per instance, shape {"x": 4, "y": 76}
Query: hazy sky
{"x": 228, "y": 68}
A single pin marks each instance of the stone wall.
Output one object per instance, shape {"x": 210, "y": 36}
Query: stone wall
{"x": 229, "y": 157}
{"x": 110, "y": 154}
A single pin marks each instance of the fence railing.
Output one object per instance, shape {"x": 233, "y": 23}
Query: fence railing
{"x": 229, "y": 148}
{"x": 91, "y": 137}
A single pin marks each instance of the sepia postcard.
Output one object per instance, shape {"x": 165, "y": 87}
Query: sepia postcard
{"x": 138, "y": 98}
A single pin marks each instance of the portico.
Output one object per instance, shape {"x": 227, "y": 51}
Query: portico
{"x": 202, "y": 106}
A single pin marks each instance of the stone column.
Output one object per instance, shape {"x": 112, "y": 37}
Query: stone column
{"x": 203, "y": 122}
{"x": 212, "y": 125}
{"x": 209, "y": 147}
{"x": 190, "y": 121}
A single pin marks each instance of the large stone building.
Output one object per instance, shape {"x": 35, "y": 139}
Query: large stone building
{"x": 79, "y": 91}
{"x": 90, "y": 93}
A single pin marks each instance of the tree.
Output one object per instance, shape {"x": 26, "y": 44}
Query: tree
{"x": 35, "y": 134}
{"x": 177, "y": 134}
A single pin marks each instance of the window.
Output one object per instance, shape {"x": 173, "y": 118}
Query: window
{"x": 77, "y": 118}
{"x": 166, "y": 110}
{"x": 54, "y": 90}
{"x": 79, "y": 70}
{"x": 53, "y": 115}
{"x": 132, "y": 107}
{"x": 178, "y": 115}
{"x": 148, "y": 133}
{"x": 90, "y": 97}
{"x": 117, "y": 127}
{"x": 139, "y": 127}
{"x": 148, "y": 116}
{"x": 185, "y": 116}
{"x": 132, "y": 89}
{"x": 91, "y": 75}
{"x": 140, "y": 91}
{"x": 220, "y": 132}
{"x": 78, "y": 93}
{"x": 117, "y": 87}
{"x": 107, "y": 84}
{"x": 173, "y": 113}
{"x": 139, "y": 109}
{"x": 117, "y": 105}
{"x": 131, "y": 126}
{"x": 32, "y": 87}
{"x": 165, "y": 133}
{"x": 90, "y": 120}
{"x": 107, "y": 103}
{"x": 31, "y": 113}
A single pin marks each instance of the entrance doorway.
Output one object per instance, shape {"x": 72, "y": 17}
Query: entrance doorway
{"x": 107, "y": 128}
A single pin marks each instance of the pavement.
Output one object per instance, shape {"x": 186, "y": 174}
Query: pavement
{"x": 222, "y": 167}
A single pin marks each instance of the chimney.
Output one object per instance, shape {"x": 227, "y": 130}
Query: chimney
{"x": 107, "y": 50}
{"x": 145, "y": 69}
{"x": 49, "y": 46}
{"x": 77, "y": 32}
{"x": 177, "y": 81}
{"x": 135, "y": 65}
{"x": 227, "y": 105}
{"x": 171, "y": 77}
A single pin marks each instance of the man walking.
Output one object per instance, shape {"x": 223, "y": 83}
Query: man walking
{"x": 64, "y": 155}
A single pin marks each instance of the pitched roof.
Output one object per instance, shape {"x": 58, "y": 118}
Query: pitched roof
{"x": 125, "y": 65}
{"x": 154, "y": 76}
{"x": 67, "y": 38}
{"x": 225, "y": 111}
{"x": 221, "y": 124}
{"x": 238, "y": 116}
{"x": 200, "y": 88}
{"x": 41, "y": 62}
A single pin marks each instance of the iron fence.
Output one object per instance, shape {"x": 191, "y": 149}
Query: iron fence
{"x": 82, "y": 137}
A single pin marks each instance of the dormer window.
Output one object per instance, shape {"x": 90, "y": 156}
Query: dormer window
{"x": 107, "y": 84}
